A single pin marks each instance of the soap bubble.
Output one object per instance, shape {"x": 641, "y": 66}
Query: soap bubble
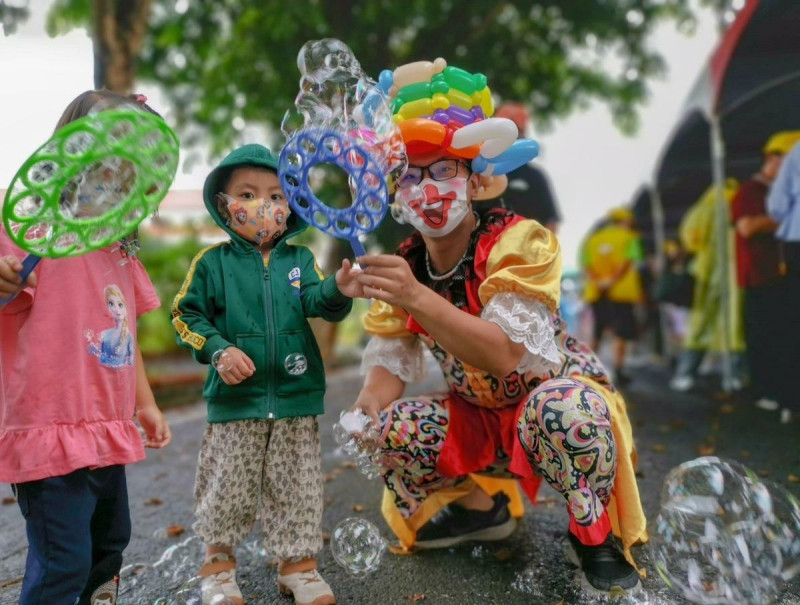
{"x": 359, "y": 437}
{"x": 335, "y": 94}
{"x": 295, "y": 364}
{"x": 221, "y": 360}
{"x": 724, "y": 536}
{"x": 357, "y": 546}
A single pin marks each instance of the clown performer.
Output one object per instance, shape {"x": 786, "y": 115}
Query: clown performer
{"x": 480, "y": 290}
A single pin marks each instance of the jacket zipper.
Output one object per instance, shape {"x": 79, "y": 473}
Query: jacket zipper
{"x": 271, "y": 361}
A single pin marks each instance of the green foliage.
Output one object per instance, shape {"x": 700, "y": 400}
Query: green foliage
{"x": 222, "y": 59}
{"x": 65, "y": 15}
{"x": 219, "y": 60}
{"x": 166, "y": 264}
{"x": 11, "y": 15}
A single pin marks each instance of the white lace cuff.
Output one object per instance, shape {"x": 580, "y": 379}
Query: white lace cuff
{"x": 528, "y": 321}
{"x": 403, "y": 357}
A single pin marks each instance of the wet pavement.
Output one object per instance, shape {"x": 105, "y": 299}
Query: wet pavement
{"x": 529, "y": 567}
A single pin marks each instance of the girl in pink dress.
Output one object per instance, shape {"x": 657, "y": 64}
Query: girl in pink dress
{"x": 66, "y": 410}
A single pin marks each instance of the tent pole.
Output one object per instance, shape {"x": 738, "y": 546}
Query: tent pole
{"x": 657, "y": 212}
{"x": 718, "y": 168}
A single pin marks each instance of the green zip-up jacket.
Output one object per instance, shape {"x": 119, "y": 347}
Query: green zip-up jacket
{"x": 231, "y": 298}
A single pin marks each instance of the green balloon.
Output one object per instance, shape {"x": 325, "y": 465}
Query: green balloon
{"x": 92, "y": 183}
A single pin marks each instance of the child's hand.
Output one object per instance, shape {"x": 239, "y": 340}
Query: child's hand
{"x": 347, "y": 280}
{"x": 241, "y": 367}
{"x": 156, "y": 428}
{"x": 10, "y": 282}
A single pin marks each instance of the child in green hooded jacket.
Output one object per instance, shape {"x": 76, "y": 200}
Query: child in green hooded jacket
{"x": 243, "y": 307}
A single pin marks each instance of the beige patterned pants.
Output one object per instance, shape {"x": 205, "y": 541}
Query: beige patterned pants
{"x": 274, "y": 464}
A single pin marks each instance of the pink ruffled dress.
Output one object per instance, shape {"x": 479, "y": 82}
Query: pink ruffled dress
{"x": 67, "y": 365}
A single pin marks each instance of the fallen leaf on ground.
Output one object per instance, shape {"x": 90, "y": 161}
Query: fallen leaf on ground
{"x": 358, "y": 508}
{"x": 728, "y": 408}
{"x": 400, "y": 550}
{"x": 793, "y": 479}
{"x": 348, "y": 464}
{"x": 175, "y": 530}
{"x": 325, "y": 536}
{"x": 328, "y": 477}
{"x": 744, "y": 454}
{"x": 504, "y": 554}
{"x": 705, "y": 449}
{"x": 153, "y": 502}
{"x": 659, "y": 447}
{"x": 677, "y": 424}
{"x": 11, "y": 582}
{"x": 764, "y": 473}
{"x": 416, "y": 597}
{"x": 9, "y": 500}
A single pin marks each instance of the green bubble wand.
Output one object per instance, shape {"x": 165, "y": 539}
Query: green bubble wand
{"x": 92, "y": 183}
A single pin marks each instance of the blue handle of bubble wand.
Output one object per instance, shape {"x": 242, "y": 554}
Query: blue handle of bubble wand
{"x": 357, "y": 246}
{"x": 28, "y": 265}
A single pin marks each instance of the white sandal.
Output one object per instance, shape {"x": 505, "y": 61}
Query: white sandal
{"x": 219, "y": 580}
{"x": 308, "y": 588}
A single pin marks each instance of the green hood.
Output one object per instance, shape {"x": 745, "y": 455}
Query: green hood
{"x": 248, "y": 155}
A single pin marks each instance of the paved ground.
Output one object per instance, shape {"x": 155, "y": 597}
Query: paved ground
{"x": 527, "y": 568}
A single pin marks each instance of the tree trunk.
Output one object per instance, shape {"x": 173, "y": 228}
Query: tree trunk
{"x": 119, "y": 27}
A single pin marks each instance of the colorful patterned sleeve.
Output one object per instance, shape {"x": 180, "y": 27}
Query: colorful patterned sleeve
{"x": 525, "y": 260}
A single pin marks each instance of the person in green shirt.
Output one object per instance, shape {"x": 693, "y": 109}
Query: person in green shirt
{"x": 243, "y": 307}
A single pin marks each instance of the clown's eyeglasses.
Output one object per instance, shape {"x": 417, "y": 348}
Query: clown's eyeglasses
{"x": 442, "y": 170}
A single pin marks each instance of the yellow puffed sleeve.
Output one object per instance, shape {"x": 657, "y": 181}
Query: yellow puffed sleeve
{"x": 386, "y": 320}
{"x": 526, "y": 260}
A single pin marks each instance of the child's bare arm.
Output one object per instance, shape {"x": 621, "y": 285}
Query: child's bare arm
{"x": 156, "y": 428}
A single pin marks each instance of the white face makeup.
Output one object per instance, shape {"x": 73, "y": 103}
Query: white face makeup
{"x": 434, "y": 208}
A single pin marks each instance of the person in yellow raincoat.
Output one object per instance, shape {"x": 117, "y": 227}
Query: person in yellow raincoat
{"x": 611, "y": 257}
{"x": 480, "y": 290}
{"x": 706, "y": 332}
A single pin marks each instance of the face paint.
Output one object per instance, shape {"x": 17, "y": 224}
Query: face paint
{"x": 261, "y": 220}
{"x": 434, "y": 208}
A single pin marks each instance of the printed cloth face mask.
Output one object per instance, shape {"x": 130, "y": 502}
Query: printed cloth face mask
{"x": 258, "y": 220}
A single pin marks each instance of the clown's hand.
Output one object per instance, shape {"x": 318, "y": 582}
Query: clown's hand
{"x": 388, "y": 277}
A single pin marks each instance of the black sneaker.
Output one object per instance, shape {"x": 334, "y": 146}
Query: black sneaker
{"x": 604, "y": 566}
{"x": 455, "y": 524}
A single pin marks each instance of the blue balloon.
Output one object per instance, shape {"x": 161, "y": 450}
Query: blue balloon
{"x": 385, "y": 80}
{"x": 521, "y": 152}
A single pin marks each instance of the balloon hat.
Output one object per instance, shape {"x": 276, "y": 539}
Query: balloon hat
{"x": 444, "y": 108}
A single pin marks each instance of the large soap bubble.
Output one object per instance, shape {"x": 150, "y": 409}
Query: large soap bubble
{"x": 724, "y": 536}
{"x": 357, "y": 546}
{"x": 341, "y": 118}
{"x": 335, "y": 94}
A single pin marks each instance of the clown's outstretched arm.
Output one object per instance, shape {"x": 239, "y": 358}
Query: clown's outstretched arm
{"x": 478, "y": 342}
{"x": 381, "y": 388}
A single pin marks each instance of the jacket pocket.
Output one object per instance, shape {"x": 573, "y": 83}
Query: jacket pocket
{"x": 253, "y": 345}
{"x": 298, "y": 364}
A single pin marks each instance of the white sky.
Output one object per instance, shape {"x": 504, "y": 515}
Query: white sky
{"x": 591, "y": 165}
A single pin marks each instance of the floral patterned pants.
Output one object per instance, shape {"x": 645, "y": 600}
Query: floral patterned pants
{"x": 564, "y": 428}
{"x": 271, "y": 464}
